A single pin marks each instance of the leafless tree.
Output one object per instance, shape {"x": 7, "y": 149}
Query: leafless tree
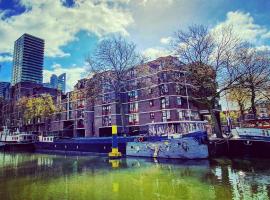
{"x": 256, "y": 80}
{"x": 110, "y": 67}
{"x": 212, "y": 65}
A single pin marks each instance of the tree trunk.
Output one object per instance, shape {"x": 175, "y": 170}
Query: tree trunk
{"x": 122, "y": 113}
{"x": 253, "y": 106}
{"x": 241, "y": 107}
{"x": 217, "y": 129}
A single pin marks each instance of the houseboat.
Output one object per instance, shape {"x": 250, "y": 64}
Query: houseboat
{"x": 16, "y": 141}
{"x": 91, "y": 145}
{"x": 151, "y": 144}
{"x": 248, "y": 142}
{"x": 187, "y": 146}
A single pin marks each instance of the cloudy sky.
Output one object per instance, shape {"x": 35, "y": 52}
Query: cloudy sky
{"x": 72, "y": 29}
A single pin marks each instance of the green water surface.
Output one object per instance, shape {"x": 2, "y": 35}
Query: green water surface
{"x": 26, "y": 176}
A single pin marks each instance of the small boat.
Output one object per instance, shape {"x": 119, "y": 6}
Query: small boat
{"x": 16, "y": 141}
{"x": 186, "y": 146}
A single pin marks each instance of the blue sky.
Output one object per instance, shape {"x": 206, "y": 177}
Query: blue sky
{"x": 72, "y": 29}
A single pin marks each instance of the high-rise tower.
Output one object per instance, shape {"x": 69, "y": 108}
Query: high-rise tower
{"x": 28, "y": 59}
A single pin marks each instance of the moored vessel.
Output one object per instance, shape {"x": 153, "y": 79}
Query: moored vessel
{"x": 243, "y": 142}
{"x": 16, "y": 141}
{"x": 187, "y": 146}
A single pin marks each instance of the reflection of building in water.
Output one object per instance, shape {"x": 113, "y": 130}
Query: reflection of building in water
{"x": 45, "y": 161}
{"x": 244, "y": 185}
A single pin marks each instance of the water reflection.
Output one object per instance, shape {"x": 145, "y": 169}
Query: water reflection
{"x": 40, "y": 176}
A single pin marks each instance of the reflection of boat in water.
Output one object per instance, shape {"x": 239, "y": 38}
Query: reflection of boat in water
{"x": 188, "y": 146}
{"x": 16, "y": 141}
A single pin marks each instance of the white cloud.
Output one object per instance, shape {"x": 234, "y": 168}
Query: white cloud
{"x": 145, "y": 2}
{"x": 165, "y": 40}
{"x": 73, "y": 74}
{"x": 58, "y": 25}
{"x": 244, "y": 26}
{"x": 5, "y": 58}
{"x": 156, "y": 52}
{"x": 263, "y": 48}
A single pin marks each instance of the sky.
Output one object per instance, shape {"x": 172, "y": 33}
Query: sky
{"x": 72, "y": 28}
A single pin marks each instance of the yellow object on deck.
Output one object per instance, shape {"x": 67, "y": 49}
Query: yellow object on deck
{"x": 114, "y": 129}
{"x": 114, "y": 153}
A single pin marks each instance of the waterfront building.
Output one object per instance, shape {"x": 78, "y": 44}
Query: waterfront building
{"x": 72, "y": 117}
{"x": 158, "y": 100}
{"x": 28, "y": 59}
{"x": 4, "y": 90}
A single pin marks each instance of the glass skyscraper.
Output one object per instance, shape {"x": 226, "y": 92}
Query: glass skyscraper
{"x": 4, "y": 89}
{"x": 28, "y": 59}
{"x": 57, "y": 82}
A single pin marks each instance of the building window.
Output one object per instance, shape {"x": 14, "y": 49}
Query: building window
{"x": 107, "y": 121}
{"x": 132, "y": 73}
{"x": 165, "y": 102}
{"x": 164, "y": 89}
{"x": 80, "y": 123}
{"x": 195, "y": 115}
{"x": 106, "y": 110}
{"x": 133, "y": 119}
{"x": 179, "y": 101}
{"x": 151, "y": 103}
{"x": 133, "y": 95}
{"x": 133, "y": 83}
{"x": 80, "y": 104}
{"x": 163, "y": 77}
{"x": 166, "y": 115}
{"x": 152, "y": 115}
{"x": 150, "y": 90}
{"x": 178, "y": 75}
{"x": 180, "y": 114}
{"x": 106, "y": 86}
{"x": 180, "y": 89}
{"x": 80, "y": 114}
{"x": 133, "y": 107}
{"x": 106, "y": 98}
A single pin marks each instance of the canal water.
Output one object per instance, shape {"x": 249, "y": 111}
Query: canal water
{"x": 39, "y": 176}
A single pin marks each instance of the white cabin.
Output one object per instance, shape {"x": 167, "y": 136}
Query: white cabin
{"x": 16, "y": 137}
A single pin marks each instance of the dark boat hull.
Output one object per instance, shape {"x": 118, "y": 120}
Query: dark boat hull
{"x": 102, "y": 145}
{"x": 240, "y": 147}
{"x": 18, "y": 147}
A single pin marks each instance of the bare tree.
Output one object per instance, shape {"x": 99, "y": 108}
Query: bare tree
{"x": 240, "y": 96}
{"x": 110, "y": 67}
{"x": 256, "y": 80}
{"x": 211, "y": 61}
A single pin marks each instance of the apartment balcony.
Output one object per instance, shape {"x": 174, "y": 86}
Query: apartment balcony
{"x": 133, "y": 123}
{"x": 106, "y": 112}
{"x": 133, "y": 111}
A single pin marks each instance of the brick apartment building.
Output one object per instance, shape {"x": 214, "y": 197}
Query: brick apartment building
{"x": 158, "y": 100}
